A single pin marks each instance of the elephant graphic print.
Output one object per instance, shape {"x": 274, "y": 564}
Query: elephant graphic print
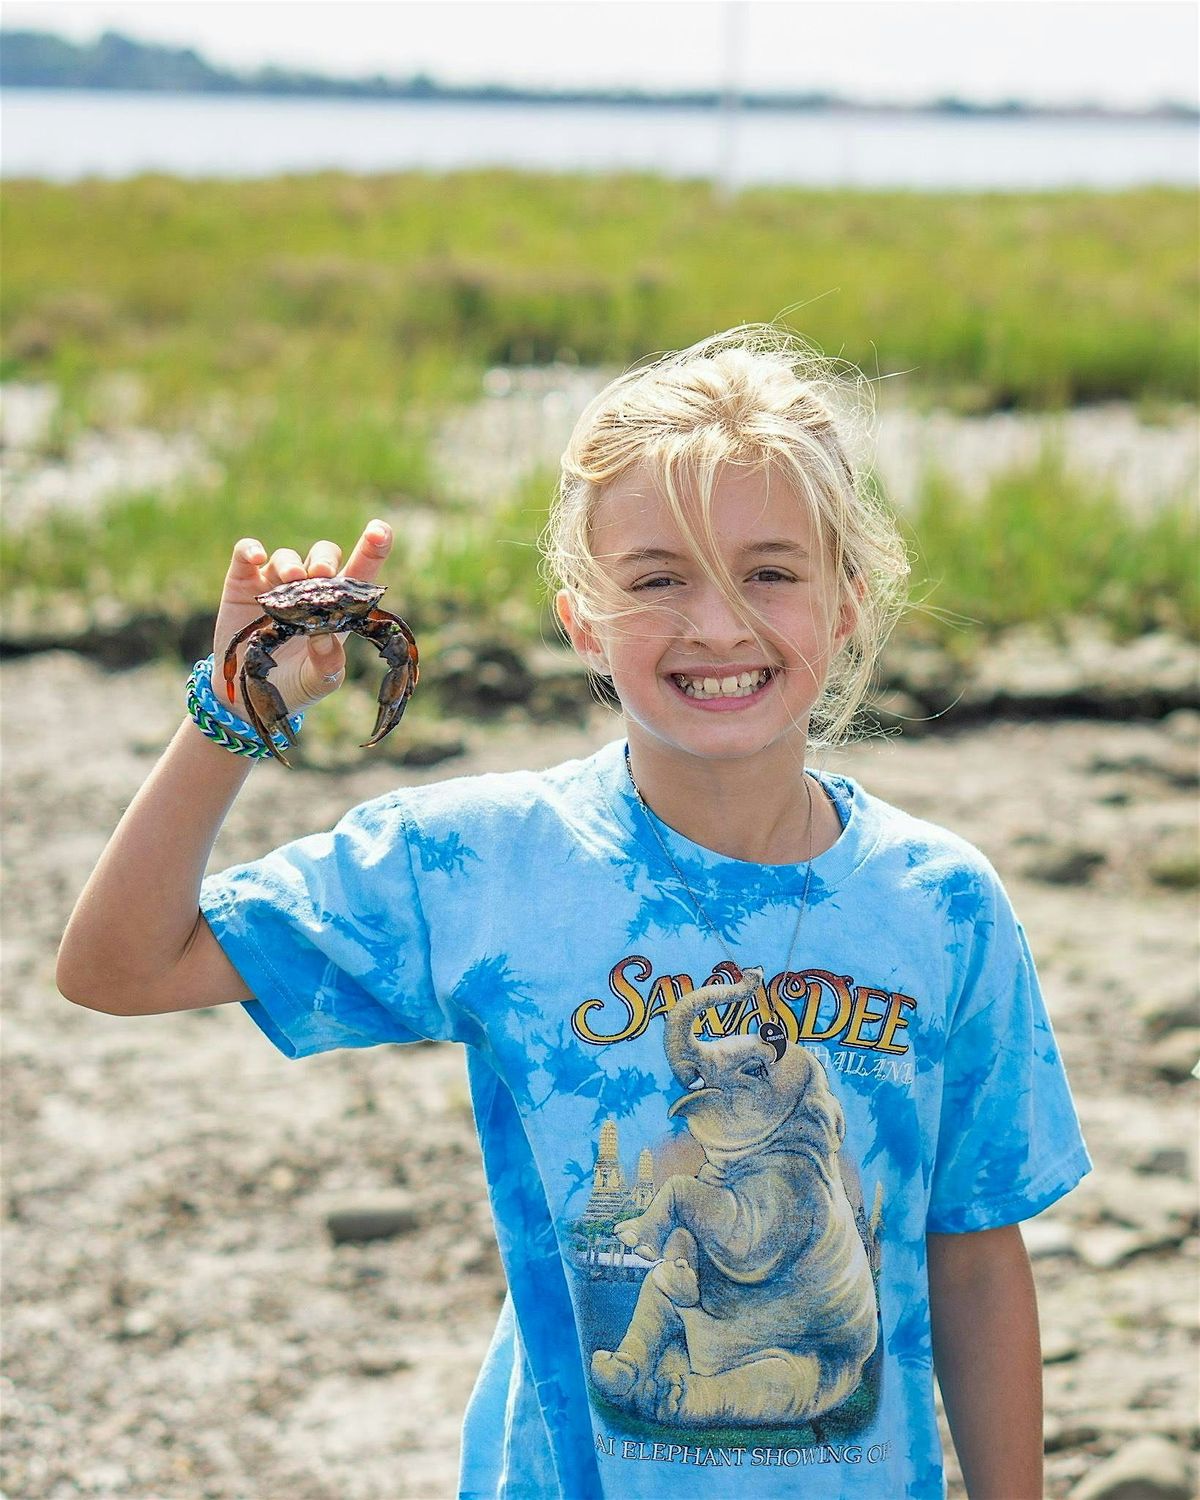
{"x": 730, "y": 1291}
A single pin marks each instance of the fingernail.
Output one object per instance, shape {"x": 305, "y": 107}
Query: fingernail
{"x": 379, "y": 531}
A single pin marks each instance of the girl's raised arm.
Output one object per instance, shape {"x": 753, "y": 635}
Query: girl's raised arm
{"x": 136, "y": 943}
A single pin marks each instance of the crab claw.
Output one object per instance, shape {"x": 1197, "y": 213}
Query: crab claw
{"x": 268, "y": 712}
{"x": 394, "y": 692}
{"x": 395, "y": 643}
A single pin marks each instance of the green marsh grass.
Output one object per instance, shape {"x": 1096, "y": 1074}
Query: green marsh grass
{"x": 485, "y": 565}
{"x": 449, "y": 564}
{"x": 984, "y": 299}
{"x": 311, "y": 459}
{"x": 1039, "y": 546}
{"x": 1043, "y": 546}
{"x": 313, "y": 329}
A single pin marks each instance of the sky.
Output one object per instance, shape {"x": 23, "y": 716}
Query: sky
{"x": 1122, "y": 53}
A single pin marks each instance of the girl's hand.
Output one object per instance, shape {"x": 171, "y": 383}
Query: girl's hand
{"x": 310, "y": 667}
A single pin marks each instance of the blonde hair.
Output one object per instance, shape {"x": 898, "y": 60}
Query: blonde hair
{"x": 756, "y": 397}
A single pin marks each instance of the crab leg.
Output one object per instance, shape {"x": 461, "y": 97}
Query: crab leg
{"x": 264, "y": 705}
{"x": 395, "y": 642}
{"x": 229, "y": 667}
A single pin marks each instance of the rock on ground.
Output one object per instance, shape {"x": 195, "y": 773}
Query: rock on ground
{"x": 1149, "y": 1468}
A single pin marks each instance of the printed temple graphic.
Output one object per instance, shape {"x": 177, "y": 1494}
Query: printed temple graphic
{"x": 755, "y": 1303}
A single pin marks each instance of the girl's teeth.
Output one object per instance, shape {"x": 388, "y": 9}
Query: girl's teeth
{"x": 740, "y": 686}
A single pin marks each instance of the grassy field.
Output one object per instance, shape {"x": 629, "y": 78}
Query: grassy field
{"x": 1042, "y": 548}
{"x": 1039, "y": 548}
{"x": 313, "y": 328}
{"x": 989, "y": 300}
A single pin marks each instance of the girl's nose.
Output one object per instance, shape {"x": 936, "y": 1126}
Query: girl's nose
{"x": 713, "y": 622}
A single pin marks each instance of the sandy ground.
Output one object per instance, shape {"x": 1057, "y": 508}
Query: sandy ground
{"x": 178, "y": 1323}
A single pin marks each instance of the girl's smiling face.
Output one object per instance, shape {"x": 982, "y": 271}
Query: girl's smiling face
{"x": 696, "y": 676}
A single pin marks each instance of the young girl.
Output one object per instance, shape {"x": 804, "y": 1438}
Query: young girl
{"x": 760, "y": 1068}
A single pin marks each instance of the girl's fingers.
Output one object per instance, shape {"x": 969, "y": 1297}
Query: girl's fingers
{"x": 285, "y": 566}
{"x": 250, "y": 564}
{"x": 322, "y": 667}
{"x": 249, "y": 554}
{"x": 248, "y": 557}
{"x": 323, "y": 560}
{"x": 370, "y": 551}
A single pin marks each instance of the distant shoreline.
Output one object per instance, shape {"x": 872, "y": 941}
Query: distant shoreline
{"x": 580, "y": 99}
{"x": 758, "y": 104}
{"x": 119, "y": 64}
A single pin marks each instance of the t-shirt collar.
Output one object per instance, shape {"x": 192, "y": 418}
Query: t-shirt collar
{"x": 856, "y": 809}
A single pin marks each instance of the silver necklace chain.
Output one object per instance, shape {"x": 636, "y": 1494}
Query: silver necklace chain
{"x": 692, "y": 897}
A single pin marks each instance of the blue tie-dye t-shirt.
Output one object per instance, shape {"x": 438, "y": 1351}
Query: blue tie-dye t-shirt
{"x": 713, "y": 1235}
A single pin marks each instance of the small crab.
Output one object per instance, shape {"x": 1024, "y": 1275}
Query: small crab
{"x": 321, "y": 606}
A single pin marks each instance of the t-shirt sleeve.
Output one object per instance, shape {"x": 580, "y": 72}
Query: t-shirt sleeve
{"x": 1009, "y": 1142}
{"x": 329, "y": 935}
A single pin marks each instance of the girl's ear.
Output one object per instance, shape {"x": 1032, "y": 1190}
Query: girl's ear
{"x": 853, "y": 593}
{"x": 582, "y": 635}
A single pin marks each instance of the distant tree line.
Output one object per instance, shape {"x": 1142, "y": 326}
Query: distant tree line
{"x": 41, "y": 59}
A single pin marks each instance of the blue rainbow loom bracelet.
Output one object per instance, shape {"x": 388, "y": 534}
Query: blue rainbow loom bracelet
{"x": 213, "y": 719}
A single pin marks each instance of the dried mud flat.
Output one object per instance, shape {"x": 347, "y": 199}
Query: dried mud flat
{"x": 179, "y": 1324}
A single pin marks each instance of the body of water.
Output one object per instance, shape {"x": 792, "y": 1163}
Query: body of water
{"x": 64, "y": 135}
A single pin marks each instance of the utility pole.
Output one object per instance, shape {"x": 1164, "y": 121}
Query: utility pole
{"x": 731, "y": 99}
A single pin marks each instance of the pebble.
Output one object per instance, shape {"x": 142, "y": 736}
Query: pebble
{"x": 1046, "y": 1237}
{"x": 1166, "y": 1161}
{"x": 1176, "y": 770}
{"x": 1148, "y": 1468}
{"x": 1068, "y": 864}
{"x": 138, "y": 1324}
{"x": 1116, "y": 1196}
{"x": 1183, "y": 726}
{"x": 1175, "y": 1056}
{"x": 282, "y": 1179}
{"x": 378, "y": 1362}
{"x": 1060, "y": 1436}
{"x": 1160, "y": 1013}
{"x": 105, "y": 1478}
{"x": 381, "y": 1218}
{"x": 1107, "y": 1246}
{"x": 1058, "y": 1347}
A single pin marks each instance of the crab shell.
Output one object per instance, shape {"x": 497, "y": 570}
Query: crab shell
{"x": 322, "y": 604}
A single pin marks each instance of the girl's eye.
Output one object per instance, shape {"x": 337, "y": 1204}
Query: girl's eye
{"x": 664, "y": 581}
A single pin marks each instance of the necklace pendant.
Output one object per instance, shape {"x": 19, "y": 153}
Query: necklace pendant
{"x": 775, "y": 1037}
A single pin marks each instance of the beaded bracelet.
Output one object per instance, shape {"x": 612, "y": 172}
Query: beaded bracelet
{"x": 213, "y": 719}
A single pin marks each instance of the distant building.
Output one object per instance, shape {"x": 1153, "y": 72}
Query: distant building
{"x": 643, "y": 1189}
{"x": 600, "y": 1252}
{"x": 611, "y": 1200}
